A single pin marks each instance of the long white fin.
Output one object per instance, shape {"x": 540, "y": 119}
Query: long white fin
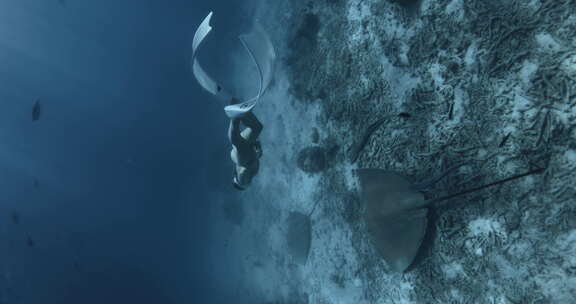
{"x": 260, "y": 49}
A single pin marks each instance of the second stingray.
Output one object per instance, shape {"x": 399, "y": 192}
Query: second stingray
{"x": 397, "y": 213}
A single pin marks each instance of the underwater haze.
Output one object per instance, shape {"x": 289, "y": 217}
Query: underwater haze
{"x": 105, "y": 190}
{"x": 414, "y": 151}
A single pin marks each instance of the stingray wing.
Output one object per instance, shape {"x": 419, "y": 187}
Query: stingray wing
{"x": 398, "y": 238}
{"x": 396, "y": 216}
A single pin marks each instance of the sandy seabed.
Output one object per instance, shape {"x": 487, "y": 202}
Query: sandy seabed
{"x": 491, "y": 83}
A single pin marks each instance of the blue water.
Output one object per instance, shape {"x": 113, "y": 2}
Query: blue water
{"x": 92, "y": 207}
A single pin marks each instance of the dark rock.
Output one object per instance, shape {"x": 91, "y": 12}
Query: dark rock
{"x": 306, "y": 36}
{"x": 312, "y": 159}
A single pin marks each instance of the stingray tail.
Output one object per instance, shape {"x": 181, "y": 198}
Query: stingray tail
{"x": 431, "y": 182}
{"x": 531, "y": 172}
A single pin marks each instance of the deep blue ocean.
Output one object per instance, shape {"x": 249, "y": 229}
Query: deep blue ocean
{"x": 104, "y": 197}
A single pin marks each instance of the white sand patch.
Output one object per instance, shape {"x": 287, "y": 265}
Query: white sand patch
{"x": 533, "y": 4}
{"x": 286, "y": 131}
{"x": 565, "y": 113}
{"x": 350, "y": 179}
{"x": 522, "y": 107}
{"x": 555, "y": 282}
{"x": 453, "y": 270}
{"x": 547, "y": 43}
{"x": 403, "y": 53}
{"x": 471, "y": 53}
{"x": 506, "y": 166}
{"x": 567, "y": 244}
{"x": 405, "y": 293}
{"x": 570, "y": 157}
{"x": 509, "y": 129}
{"x": 484, "y": 226}
{"x": 484, "y": 233}
{"x": 359, "y": 18}
{"x": 456, "y": 295}
{"x": 280, "y": 187}
{"x": 456, "y": 9}
{"x": 358, "y": 11}
{"x": 527, "y": 71}
{"x": 568, "y": 65}
{"x": 332, "y": 262}
{"x": 401, "y": 82}
{"x": 497, "y": 299}
{"x": 436, "y": 70}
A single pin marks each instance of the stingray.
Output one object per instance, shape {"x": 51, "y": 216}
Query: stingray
{"x": 397, "y": 212}
{"x": 299, "y": 236}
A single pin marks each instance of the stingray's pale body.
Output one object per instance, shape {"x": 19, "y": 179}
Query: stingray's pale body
{"x": 396, "y": 212}
{"x": 299, "y": 236}
{"x": 396, "y": 216}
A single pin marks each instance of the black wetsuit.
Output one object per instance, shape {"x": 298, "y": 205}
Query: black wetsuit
{"x": 247, "y": 147}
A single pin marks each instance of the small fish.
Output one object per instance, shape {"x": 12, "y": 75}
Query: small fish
{"x": 36, "y": 110}
{"x": 451, "y": 112}
{"x": 30, "y": 242}
{"x": 404, "y": 115}
{"x": 77, "y": 266}
{"x": 504, "y": 140}
{"x": 15, "y": 218}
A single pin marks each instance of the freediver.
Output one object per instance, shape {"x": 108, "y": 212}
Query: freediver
{"x": 244, "y": 127}
{"x": 246, "y": 148}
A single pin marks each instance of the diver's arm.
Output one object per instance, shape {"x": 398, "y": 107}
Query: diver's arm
{"x": 234, "y": 132}
{"x": 250, "y": 120}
